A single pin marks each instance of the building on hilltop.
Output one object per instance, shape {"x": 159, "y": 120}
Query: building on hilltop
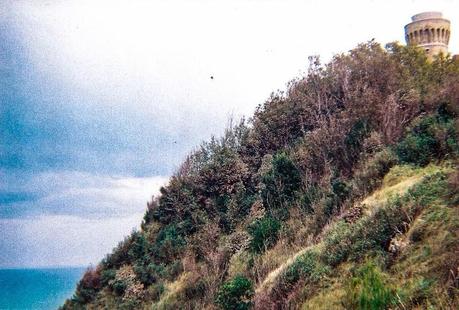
{"x": 430, "y": 31}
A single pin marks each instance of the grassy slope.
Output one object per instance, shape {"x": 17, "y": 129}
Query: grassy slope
{"x": 418, "y": 267}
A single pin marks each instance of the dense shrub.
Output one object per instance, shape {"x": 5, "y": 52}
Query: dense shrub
{"x": 139, "y": 246}
{"x": 431, "y": 138}
{"x": 264, "y": 233}
{"x": 120, "y": 254}
{"x": 176, "y": 201}
{"x": 235, "y": 294}
{"x": 169, "y": 243}
{"x": 119, "y": 287}
{"x": 148, "y": 272}
{"x": 107, "y": 275}
{"x": 281, "y": 183}
{"x": 340, "y": 189}
{"x": 355, "y": 138}
{"x": 334, "y": 199}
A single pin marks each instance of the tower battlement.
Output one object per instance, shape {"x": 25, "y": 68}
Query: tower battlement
{"x": 430, "y": 31}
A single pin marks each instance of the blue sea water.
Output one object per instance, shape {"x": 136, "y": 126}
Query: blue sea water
{"x": 45, "y": 288}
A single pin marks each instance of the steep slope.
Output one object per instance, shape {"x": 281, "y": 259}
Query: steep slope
{"x": 339, "y": 193}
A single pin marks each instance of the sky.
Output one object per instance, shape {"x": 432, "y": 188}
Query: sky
{"x": 100, "y": 101}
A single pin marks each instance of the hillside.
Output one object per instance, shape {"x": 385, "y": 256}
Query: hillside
{"x": 341, "y": 193}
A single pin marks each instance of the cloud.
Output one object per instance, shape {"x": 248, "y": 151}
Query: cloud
{"x": 68, "y": 218}
{"x": 75, "y": 193}
{"x": 61, "y": 240}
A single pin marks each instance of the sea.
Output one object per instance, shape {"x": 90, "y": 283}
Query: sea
{"x": 38, "y": 288}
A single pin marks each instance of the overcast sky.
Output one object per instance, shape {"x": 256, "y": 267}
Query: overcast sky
{"x": 101, "y": 100}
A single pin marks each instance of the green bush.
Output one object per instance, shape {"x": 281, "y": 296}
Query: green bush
{"x": 139, "y": 246}
{"x": 340, "y": 189}
{"x": 169, "y": 243}
{"x": 354, "y": 138}
{"x": 107, "y": 275}
{"x": 120, "y": 254}
{"x": 339, "y": 192}
{"x": 431, "y": 138}
{"x": 149, "y": 273}
{"x": 281, "y": 183}
{"x": 368, "y": 290}
{"x": 235, "y": 294}
{"x": 264, "y": 233}
{"x": 119, "y": 287}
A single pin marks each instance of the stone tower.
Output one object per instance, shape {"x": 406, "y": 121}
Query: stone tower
{"x": 430, "y": 31}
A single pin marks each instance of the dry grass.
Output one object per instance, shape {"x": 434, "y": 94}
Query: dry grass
{"x": 270, "y": 260}
{"x": 329, "y": 298}
{"x": 270, "y": 279}
{"x": 172, "y": 289}
{"x": 398, "y": 181}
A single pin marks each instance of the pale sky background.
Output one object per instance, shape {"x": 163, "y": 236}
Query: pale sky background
{"x": 101, "y": 100}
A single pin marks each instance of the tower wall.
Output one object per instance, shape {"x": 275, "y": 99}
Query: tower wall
{"x": 430, "y": 31}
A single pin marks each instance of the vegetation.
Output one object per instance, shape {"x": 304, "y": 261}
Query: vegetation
{"x": 368, "y": 290}
{"x": 341, "y": 192}
{"x": 235, "y": 294}
{"x": 264, "y": 233}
